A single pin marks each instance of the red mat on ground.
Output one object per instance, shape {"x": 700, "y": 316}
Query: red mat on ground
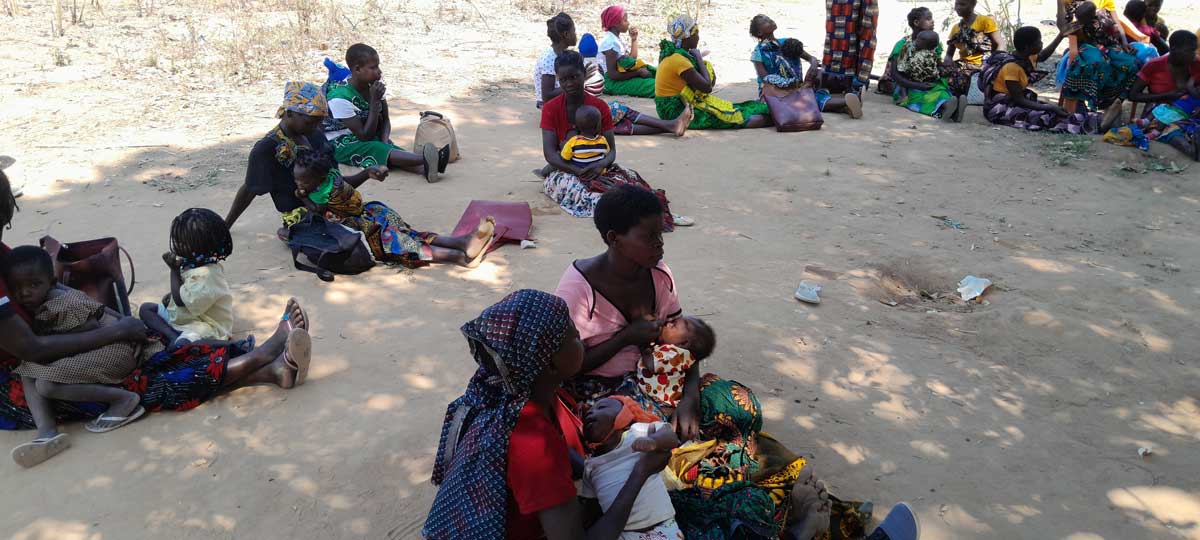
{"x": 513, "y": 220}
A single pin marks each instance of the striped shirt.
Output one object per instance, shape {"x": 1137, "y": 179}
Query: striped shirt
{"x": 584, "y": 151}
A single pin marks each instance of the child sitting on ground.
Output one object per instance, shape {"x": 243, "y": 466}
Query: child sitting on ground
{"x": 200, "y": 305}
{"x": 358, "y": 126}
{"x": 323, "y": 189}
{"x": 615, "y": 430}
{"x": 681, "y": 343}
{"x": 923, "y": 64}
{"x": 589, "y": 145}
{"x": 29, "y": 271}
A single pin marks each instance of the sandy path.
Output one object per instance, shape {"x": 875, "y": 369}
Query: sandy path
{"x": 1016, "y": 419}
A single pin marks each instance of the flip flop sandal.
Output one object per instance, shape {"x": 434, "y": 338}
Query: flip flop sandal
{"x": 682, "y": 220}
{"x": 38, "y": 451}
{"x": 297, "y": 354}
{"x": 443, "y": 158}
{"x": 431, "y": 162}
{"x": 114, "y": 422}
{"x": 807, "y": 292}
{"x": 287, "y": 316}
{"x": 900, "y": 524}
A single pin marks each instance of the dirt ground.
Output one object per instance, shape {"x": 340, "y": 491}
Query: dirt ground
{"x": 1017, "y": 417}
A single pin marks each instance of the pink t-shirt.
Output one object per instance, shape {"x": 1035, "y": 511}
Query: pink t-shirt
{"x": 598, "y": 320}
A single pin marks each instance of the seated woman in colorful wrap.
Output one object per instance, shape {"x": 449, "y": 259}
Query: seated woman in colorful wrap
{"x": 624, "y": 73}
{"x": 931, "y": 99}
{"x": 1168, "y": 86}
{"x": 506, "y": 460}
{"x": 176, "y": 381}
{"x": 1099, "y": 70}
{"x": 577, "y": 188}
{"x": 684, "y": 79}
{"x": 777, "y": 62}
{"x": 1005, "y": 81}
{"x": 973, "y": 38}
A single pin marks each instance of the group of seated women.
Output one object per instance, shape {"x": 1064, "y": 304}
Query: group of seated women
{"x": 601, "y": 382}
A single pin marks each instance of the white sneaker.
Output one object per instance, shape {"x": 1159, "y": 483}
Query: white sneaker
{"x": 682, "y": 220}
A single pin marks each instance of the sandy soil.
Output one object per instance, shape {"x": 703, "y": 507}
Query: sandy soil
{"x": 1018, "y": 417}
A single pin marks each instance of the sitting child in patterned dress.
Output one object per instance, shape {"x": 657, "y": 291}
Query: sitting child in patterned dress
{"x": 681, "y": 343}
{"x": 616, "y": 430}
{"x": 84, "y": 377}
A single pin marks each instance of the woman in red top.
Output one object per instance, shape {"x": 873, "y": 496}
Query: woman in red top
{"x": 503, "y": 466}
{"x": 177, "y": 381}
{"x": 577, "y": 188}
{"x": 1172, "y": 82}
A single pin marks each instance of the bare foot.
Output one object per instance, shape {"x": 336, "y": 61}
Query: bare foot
{"x": 681, "y": 123}
{"x": 294, "y": 314}
{"x": 809, "y": 515}
{"x": 479, "y": 239}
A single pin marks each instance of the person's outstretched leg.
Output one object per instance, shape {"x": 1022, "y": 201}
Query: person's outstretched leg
{"x": 241, "y": 367}
{"x": 464, "y": 250}
{"x": 651, "y": 125}
{"x": 758, "y": 121}
{"x": 120, "y": 402}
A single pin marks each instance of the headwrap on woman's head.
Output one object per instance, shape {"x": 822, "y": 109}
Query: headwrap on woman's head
{"x": 304, "y": 98}
{"x": 680, "y": 28}
{"x": 513, "y": 342}
{"x": 611, "y": 16}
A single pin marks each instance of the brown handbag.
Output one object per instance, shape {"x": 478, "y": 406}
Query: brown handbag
{"x": 793, "y": 109}
{"x": 93, "y": 267}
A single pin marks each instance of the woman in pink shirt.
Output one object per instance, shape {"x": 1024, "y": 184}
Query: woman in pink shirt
{"x": 619, "y": 301}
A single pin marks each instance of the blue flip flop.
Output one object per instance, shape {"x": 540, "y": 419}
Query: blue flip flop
{"x": 900, "y": 524}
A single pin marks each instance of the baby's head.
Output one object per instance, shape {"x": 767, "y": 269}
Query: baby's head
{"x": 927, "y": 40}
{"x": 200, "y": 237}
{"x": 792, "y": 48}
{"x": 608, "y": 418}
{"x": 29, "y": 273}
{"x": 587, "y": 120}
{"x": 690, "y": 333}
{"x": 310, "y": 168}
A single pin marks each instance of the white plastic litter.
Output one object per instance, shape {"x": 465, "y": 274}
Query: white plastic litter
{"x": 528, "y": 244}
{"x": 807, "y": 292}
{"x": 971, "y": 287}
{"x": 1144, "y": 451}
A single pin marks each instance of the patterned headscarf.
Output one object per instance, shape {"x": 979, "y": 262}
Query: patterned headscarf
{"x": 611, "y": 16}
{"x": 513, "y": 342}
{"x": 680, "y": 28}
{"x": 304, "y": 98}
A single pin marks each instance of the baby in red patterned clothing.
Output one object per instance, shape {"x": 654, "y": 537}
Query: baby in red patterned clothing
{"x": 681, "y": 343}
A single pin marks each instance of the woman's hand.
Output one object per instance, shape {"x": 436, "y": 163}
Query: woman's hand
{"x": 643, "y": 73}
{"x": 633, "y": 33}
{"x": 171, "y": 260}
{"x": 642, "y": 332}
{"x": 687, "y": 418}
{"x": 378, "y": 172}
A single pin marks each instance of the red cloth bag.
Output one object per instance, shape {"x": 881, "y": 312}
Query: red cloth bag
{"x": 513, "y": 220}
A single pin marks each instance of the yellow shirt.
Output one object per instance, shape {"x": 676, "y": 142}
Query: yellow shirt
{"x": 1012, "y": 72}
{"x": 208, "y": 309}
{"x": 983, "y": 24}
{"x": 584, "y": 151}
{"x": 668, "y": 81}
